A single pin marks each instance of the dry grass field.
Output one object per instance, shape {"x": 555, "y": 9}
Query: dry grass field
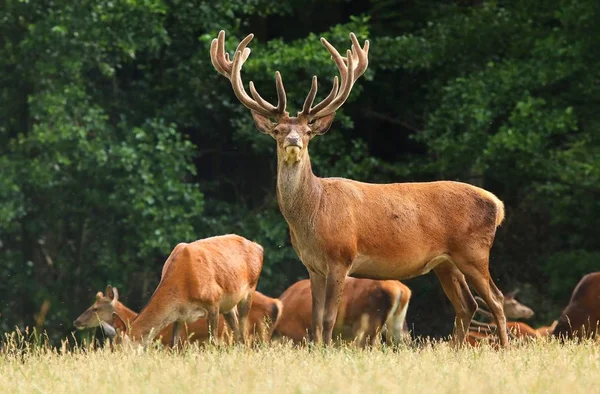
{"x": 545, "y": 367}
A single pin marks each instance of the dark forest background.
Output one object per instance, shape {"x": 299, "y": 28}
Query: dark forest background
{"x": 118, "y": 139}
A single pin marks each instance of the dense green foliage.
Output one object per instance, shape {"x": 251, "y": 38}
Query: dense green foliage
{"x": 118, "y": 139}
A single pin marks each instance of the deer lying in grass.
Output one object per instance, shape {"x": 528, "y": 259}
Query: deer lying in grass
{"x": 200, "y": 279}
{"x": 384, "y": 304}
{"x": 264, "y": 311}
{"x": 514, "y": 310}
{"x": 581, "y": 318}
{"x": 340, "y": 227}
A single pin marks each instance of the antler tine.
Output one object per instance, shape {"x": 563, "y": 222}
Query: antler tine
{"x": 281, "y": 98}
{"x": 350, "y": 67}
{"x": 215, "y": 58}
{"x": 327, "y": 99}
{"x": 220, "y": 58}
{"x": 306, "y": 108}
{"x": 361, "y": 56}
{"x": 311, "y": 96}
{"x": 232, "y": 71}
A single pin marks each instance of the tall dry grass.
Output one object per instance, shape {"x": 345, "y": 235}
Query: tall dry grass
{"x": 541, "y": 367}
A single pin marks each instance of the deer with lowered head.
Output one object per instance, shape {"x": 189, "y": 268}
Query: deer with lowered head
{"x": 107, "y": 304}
{"x": 340, "y": 227}
{"x": 200, "y": 279}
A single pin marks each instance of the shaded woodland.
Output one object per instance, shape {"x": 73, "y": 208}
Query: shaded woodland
{"x": 118, "y": 139}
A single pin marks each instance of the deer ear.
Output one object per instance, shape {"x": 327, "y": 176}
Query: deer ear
{"x": 263, "y": 124}
{"x": 115, "y": 296}
{"x": 511, "y": 294}
{"x": 321, "y": 125}
{"x": 118, "y": 323}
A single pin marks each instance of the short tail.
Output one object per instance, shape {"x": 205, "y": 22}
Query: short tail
{"x": 499, "y": 206}
{"x": 499, "y": 211}
{"x": 276, "y": 310}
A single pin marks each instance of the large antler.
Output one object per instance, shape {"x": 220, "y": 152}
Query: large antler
{"x": 232, "y": 71}
{"x": 351, "y": 68}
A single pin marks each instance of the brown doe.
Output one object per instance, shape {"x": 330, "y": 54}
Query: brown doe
{"x": 203, "y": 278}
{"x": 264, "y": 311}
{"x": 341, "y": 227}
{"x": 384, "y": 303}
{"x": 516, "y": 329}
{"x": 513, "y": 309}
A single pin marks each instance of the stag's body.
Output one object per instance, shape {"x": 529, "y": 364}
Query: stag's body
{"x": 341, "y": 227}
{"x": 384, "y": 231}
{"x": 203, "y": 278}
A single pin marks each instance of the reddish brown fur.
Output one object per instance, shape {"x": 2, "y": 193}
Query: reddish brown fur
{"x": 263, "y": 310}
{"x": 206, "y": 277}
{"x": 581, "y": 318}
{"x": 381, "y": 302}
{"x": 517, "y": 329}
{"x": 341, "y": 227}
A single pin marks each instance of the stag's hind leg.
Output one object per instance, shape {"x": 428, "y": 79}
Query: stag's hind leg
{"x": 456, "y": 289}
{"x": 476, "y": 269}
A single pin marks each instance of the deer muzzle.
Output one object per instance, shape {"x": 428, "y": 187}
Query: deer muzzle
{"x": 292, "y": 146}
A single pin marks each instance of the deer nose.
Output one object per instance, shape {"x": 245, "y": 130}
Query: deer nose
{"x": 293, "y": 140}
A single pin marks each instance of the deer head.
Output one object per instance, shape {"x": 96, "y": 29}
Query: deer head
{"x": 101, "y": 310}
{"x": 514, "y": 309}
{"x": 291, "y": 133}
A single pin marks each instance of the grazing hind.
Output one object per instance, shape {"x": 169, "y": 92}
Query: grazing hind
{"x": 201, "y": 279}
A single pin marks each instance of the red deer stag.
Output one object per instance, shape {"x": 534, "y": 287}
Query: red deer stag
{"x": 101, "y": 314}
{"x": 341, "y": 227}
{"x": 381, "y": 301}
{"x": 203, "y": 278}
{"x": 581, "y": 317}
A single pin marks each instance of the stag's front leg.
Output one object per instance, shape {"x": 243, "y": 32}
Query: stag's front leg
{"x": 212, "y": 319}
{"x": 231, "y": 318}
{"x": 336, "y": 279}
{"x": 317, "y": 289}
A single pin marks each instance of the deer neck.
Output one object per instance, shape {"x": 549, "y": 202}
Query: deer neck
{"x": 298, "y": 190}
{"x": 152, "y": 319}
{"x": 124, "y": 312}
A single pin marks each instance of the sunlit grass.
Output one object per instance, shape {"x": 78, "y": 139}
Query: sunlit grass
{"x": 542, "y": 367}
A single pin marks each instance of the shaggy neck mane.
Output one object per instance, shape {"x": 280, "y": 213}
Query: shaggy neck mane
{"x": 299, "y": 191}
